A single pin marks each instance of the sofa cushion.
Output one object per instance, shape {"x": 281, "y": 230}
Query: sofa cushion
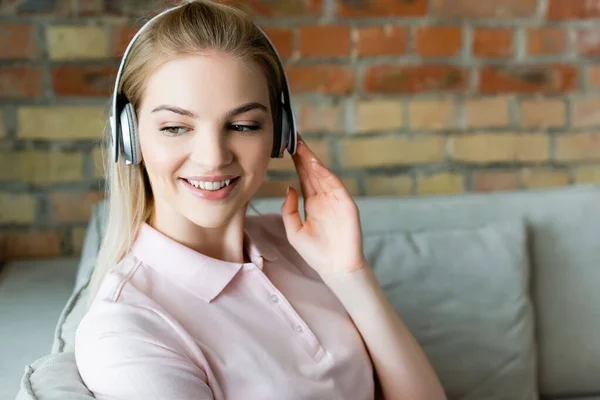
{"x": 53, "y": 377}
{"x": 464, "y": 295}
{"x": 32, "y": 294}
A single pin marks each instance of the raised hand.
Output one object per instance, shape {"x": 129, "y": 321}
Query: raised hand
{"x": 330, "y": 238}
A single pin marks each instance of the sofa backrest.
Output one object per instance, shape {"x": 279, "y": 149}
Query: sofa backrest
{"x": 564, "y": 227}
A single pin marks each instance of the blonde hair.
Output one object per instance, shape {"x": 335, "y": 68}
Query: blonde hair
{"x": 195, "y": 27}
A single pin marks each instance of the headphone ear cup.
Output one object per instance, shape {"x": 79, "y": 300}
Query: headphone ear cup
{"x": 285, "y": 129}
{"x": 131, "y": 148}
{"x": 288, "y": 133}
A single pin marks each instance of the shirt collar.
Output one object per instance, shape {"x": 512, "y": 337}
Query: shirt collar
{"x": 203, "y": 276}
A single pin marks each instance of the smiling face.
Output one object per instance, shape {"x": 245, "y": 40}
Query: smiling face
{"x": 206, "y": 133}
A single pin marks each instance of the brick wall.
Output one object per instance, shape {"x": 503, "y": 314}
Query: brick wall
{"x": 399, "y": 97}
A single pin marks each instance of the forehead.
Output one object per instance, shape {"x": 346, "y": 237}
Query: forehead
{"x": 213, "y": 81}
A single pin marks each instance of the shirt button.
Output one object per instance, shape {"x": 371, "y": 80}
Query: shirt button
{"x": 274, "y": 298}
{"x": 299, "y": 329}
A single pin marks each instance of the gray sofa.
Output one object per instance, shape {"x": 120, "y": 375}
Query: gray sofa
{"x": 500, "y": 289}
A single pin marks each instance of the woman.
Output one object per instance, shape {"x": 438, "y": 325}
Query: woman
{"x": 193, "y": 300}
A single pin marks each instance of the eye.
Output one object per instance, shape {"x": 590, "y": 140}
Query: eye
{"x": 244, "y": 128}
{"x": 173, "y": 130}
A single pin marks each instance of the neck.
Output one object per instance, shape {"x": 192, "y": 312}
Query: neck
{"x": 223, "y": 242}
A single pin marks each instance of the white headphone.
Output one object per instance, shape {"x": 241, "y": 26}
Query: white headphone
{"x": 123, "y": 120}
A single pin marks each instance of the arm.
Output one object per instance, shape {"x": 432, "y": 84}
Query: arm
{"x": 125, "y": 352}
{"x": 401, "y": 365}
{"x": 330, "y": 241}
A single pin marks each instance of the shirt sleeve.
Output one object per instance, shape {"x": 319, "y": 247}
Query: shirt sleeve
{"x": 127, "y": 352}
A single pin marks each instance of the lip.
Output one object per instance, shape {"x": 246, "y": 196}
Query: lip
{"x": 211, "y": 178}
{"x": 211, "y": 194}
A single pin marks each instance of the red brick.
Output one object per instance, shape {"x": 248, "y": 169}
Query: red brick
{"x": 20, "y": 82}
{"x": 493, "y": 42}
{"x": 491, "y": 181}
{"x": 505, "y": 9}
{"x": 122, "y": 34}
{"x": 381, "y": 8}
{"x": 73, "y": 80}
{"x": 40, "y": 7}
{"x": 145, "y": 9}
{"x": 74, "y": 206}
{"x": 413, "y": 79}
{"x": 278, "y": 8}
{"x": 32, "y": 244}
{"x": 438, "y": 41}
{"x": 276, "y": 187}
{"x": 90, "y": 7}
{"x": 283, "y": 40}
{"x": 528, "y": 79}
{"x": 588, "y": 42}
{"x": 18, "y": 41}
{"x": 382, "y": 40}
{"x": 573, "y": 9}
{"x": 330, "y": 79}
{"x": 325, "y": 41}
{"x": 546, "y": 41}
{"x": 593, "y": 76}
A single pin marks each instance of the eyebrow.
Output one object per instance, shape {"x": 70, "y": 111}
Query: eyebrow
{"x": 231, "y": 113}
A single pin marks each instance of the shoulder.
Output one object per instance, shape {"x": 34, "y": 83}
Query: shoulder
{"x": 126, "y": 340}
{"x": 122, "y": 308}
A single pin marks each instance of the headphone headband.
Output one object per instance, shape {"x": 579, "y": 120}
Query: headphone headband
{"x": 287, "y": 136}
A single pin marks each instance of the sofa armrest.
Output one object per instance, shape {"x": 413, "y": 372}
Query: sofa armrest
{"x": 74, "y": 310}
{"x": 53, "y": 377}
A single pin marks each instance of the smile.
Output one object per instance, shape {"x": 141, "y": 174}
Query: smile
{"x": 209, "y": 185}
{"x": 211, "y": 190}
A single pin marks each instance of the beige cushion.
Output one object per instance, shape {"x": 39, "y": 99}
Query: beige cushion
{"x": 53, "y": 377}
{"x": 464, "y": 295}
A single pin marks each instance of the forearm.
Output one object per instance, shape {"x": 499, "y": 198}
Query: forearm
{"x": 401, "y": 365}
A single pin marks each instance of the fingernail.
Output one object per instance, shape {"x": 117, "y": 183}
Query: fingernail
{"x": 287, "y": 191}
{"x": 314, "y": 160}
{"x": 300, "y": 142}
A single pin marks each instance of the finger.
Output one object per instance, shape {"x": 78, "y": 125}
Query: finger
{"x": 289, "y": 211}
{"x": 321, "y": 178}
{"x": 329, "y": 183}
{"x": 305, "y": 158}
{"x": 304, "y": 173}
{"x": 327, "y": 180}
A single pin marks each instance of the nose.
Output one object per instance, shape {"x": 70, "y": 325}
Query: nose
{"x": 210, "y": 148}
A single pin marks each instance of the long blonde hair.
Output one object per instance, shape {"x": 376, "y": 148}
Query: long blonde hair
{"x": 195, "y": 27}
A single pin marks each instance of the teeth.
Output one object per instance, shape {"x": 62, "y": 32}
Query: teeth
{"x": 210, "y": 185}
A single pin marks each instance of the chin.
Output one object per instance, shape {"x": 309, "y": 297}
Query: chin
{"x": 216, "y": 213}
{"x": 210, "y": 219}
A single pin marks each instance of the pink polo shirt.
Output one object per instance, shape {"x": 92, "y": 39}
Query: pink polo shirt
{"x": 170, "y": 323}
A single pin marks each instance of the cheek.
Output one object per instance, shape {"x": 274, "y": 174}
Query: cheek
{"x": 160, "y": 156}
{"x": 256, "y": 156}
